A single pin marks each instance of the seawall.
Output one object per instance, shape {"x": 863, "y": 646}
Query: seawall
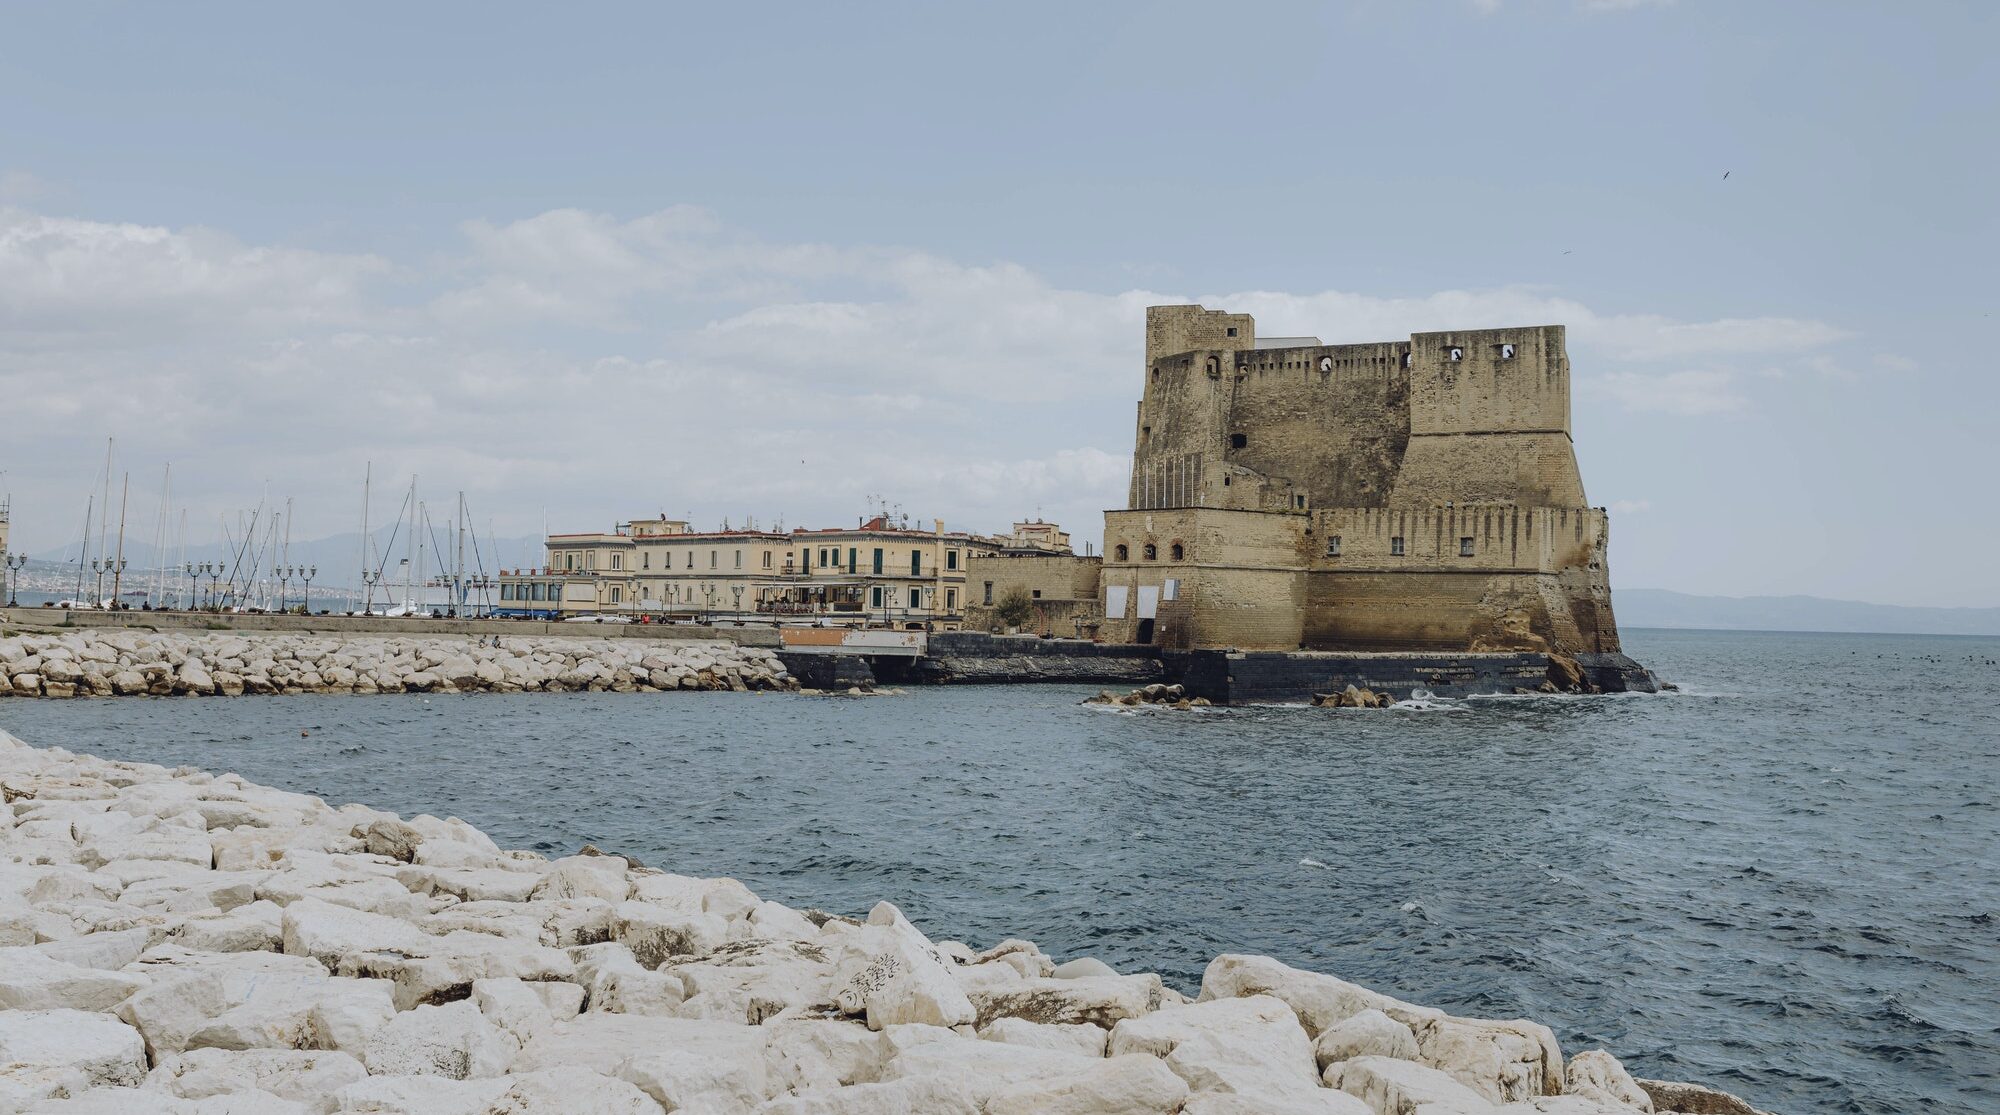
{"x": 175, "y": 941}
{"x": 124, "y": 662}
{"x": 281, "y": 623}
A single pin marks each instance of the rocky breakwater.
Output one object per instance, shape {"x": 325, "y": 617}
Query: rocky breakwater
{"x": 112, "y": 662}
{"x": 174, "y": 942}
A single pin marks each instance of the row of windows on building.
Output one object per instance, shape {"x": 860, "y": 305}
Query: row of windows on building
{"x": 1149, "y": 552}
{"x": 1465, "y": 546}
{"x": 829, "y": 557}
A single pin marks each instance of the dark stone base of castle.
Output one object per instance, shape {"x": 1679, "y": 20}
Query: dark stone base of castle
{"x": 828, "y": 671}
{"x": 1293, "y": 677}
{"x": 977, "y": 658}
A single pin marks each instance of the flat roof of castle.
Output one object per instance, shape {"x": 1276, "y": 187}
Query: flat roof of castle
{"x": 1289, "y": 342}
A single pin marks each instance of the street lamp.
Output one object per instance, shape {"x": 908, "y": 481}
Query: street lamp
{"x": 15, "y": 563}
{"x": 98, "y": 566}
{"x": 736, "y": 591}
{"x": 193, "y": 593}
{"x": 309, "y": 573}
{"x": 214, "y": 571}
{"x": 369, "y": 579}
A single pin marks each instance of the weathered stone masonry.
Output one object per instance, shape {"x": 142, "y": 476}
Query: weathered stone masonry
{"x": 1403, "y": 495}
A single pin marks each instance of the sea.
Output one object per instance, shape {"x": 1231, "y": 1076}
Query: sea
{"x": 1782, "y": 880}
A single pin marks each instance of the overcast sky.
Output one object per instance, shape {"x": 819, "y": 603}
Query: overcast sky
{"x": 728, "y": 260}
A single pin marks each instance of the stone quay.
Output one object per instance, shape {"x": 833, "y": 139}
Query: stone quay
{"x": 177, "y": 942}
{"x": 128, "y": 662}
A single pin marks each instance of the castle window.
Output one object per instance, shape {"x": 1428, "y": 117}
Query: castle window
{"x": 1152, "y": 552}
{"x": 1409, "y": 359}
{"x": 1232, "y": 330}
{"x": 1455, "y": 353}
{"x": 1238, "y": 441}
{"x": 1214, "y": 367}
{"x": 1170, "y": 589}
{"x": 1396, "y": 546}
{"x": 1156, "y": 375}
{"x": 1037, "y": 594}
{"x": 1299, "y": 502}
{"x": 1145, "y": 434}
{"x": 1333, "y": 545}
{"x": 1177, "y": 553}
{"x": 1123, "y": 553}
{"x": 989, "y": 592}
{"x": 1225, "y": 482}
{"x": 1325, "y": 364}
{"x": 1465, "y": 547}
{"x": 1506, "y": 352}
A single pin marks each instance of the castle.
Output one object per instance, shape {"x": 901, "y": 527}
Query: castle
{"x": 1398, "y": 496}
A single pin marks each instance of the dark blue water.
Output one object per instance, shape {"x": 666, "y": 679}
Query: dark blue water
{"x": 1781, "y": 882}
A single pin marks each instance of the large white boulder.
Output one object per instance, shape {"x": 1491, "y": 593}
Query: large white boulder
{"x": 1096, "y": 1000}
{"x": 103, "y": 1049}
{"x": 890, "y": 974}
{"x": 1393, "y": 1087}
{"x": 680, "y": 1062}
{"x": 1244, "y": 1046}
{"x": 454, "y": 1041}
{"x": 1368, "y": 1034}
{"x": 32, "y": 980}
{"x": 1132, "y": 1085}
{"x": 1069, "y": 1037}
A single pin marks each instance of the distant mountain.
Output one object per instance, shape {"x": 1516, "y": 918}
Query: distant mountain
{"x": 1652, "y": 607}
{"x": 338, "y": 557}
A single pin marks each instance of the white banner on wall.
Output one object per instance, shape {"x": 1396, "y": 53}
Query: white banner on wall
{"x": 1149, "y": 601}
{"x": 1114, "y": 601}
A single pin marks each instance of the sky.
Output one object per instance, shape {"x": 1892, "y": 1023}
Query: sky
{"x": 595, "y": 262}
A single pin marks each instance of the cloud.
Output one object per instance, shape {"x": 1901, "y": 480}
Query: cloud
{"x": 1685, "y": 393}
{"x": 602, "y": 367}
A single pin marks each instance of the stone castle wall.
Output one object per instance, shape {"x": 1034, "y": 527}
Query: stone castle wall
{"x": 1396, "y": 495}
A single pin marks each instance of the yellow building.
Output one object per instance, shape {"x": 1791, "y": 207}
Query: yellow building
{"x": 874, "y": 574}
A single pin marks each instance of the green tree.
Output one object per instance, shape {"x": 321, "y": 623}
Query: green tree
{"x": 1015, "y": 609}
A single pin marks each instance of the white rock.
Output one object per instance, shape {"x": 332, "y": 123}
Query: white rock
{"x": 105, "y": 1050}
{"x": 422, "y": 1095}
{"x": 1368, "y": 1034}
{"x": 1071, "y": 1037}
{"x": 1097, "y": 1000}
{"x": 657, "y": 934}
{"x": 571, "y": 1091}
{"x": 1134, "y": 1085}
{"x": 1597, "y": 1075}
{"x": 31, "y": 980}
{"x": 1082, "y": 967}
{"x": 1246, "y": 1046}
{"x": 804, "y": 1053}
{"x": 454, "y": 1041}
{"x": 1392, "y": 1087}
{"x": 679, "y": 1062}
{"x": 601, "y": 877}
{"x": 890, "y": 974}
{"x": 310, "y": 1079}
{"x": 916, "y": 1096}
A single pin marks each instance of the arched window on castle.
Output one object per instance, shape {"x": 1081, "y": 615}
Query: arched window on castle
{"x": 1177, "y": 553}
{"x": 1152, "y": 552}
{"x": 1123, "y": 553}
{"x": 1214, "y": 367}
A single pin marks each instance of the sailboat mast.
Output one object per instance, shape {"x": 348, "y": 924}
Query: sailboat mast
{"x": 367, "y": 479}
{"x": 89, "y": 509}
{"x": 104, "y": 507}
{"x": 118, "y": 567}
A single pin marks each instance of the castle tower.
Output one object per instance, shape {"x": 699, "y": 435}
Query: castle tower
{"x": 1489, "y": 421}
